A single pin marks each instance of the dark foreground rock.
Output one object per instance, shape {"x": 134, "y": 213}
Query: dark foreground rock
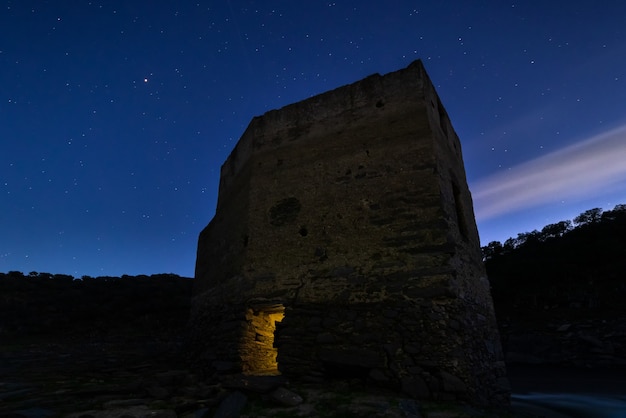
{"x": 150, "y": 379}
{"x": 579, "y": 343}
{"x": 81, "y": 379}
{"x": 52, "y": 379}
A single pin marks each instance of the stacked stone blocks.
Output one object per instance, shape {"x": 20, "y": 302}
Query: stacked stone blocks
{"x": 349, "y": 214}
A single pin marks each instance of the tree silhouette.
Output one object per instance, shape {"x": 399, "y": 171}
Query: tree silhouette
{"x": 563, "y": 266}
{"x": 588, "y": 216}
{"x": 555, "y": 230}
{"x": 60, "y": 306}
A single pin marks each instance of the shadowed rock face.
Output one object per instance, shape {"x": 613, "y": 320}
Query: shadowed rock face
{"x": 344, "y": 245}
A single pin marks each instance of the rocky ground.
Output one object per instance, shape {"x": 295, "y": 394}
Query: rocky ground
{"x": 113, "y": 347}
{"x": 61, "y": 378}
{"x": 127, "y": 376}
{"x": 150, "y": 379}
{"x": 94, "y": 349}
{"x": 579, "y": 343}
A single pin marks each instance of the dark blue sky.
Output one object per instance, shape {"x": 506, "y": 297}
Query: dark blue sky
{"x": 115, "y": 116}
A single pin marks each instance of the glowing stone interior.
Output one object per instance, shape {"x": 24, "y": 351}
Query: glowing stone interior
{"x": 257, "y": 350}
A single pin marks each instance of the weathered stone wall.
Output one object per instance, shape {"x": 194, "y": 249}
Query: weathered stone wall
{"x": 350, "y": 212}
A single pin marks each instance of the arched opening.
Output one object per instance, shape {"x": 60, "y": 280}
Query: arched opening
{"x": 257, "y": 350}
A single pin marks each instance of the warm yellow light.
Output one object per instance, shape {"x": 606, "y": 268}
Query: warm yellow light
{"x": 257, "y": 350}
{"x": 276, "y": 317}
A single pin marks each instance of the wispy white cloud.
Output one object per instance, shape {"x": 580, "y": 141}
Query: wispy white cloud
{"x": 587, "y": 168}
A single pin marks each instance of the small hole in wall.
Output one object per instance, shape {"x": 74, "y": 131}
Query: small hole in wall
{"x": 380, "y": 104}
{"x": 303, "y": 231}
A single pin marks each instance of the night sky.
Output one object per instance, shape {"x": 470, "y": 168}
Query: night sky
{"x": 115, "y": 116}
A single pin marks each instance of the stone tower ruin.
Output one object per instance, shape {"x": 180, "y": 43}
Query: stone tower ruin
{"x": 344, "y": 245}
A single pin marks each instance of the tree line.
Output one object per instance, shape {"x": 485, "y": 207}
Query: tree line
{"x": 568, "y": 267}
{"x": 555, "y": 230}
{"x": 68, "y": 277}
{"x": 61, "y": 306}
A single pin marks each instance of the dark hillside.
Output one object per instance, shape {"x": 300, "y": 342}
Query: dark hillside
{"x": 58, "y": 306}
{"x": 563, "y": 288}
{"x": 584, "y": 268}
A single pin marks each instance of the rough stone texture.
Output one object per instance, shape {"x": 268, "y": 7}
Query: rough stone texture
{"x": 286, "y": 397}
{"x": 349, "y": 214}
{"x": 231, "y": 406}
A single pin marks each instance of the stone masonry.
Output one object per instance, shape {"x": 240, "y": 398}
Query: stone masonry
{"x": 344, "y": 245}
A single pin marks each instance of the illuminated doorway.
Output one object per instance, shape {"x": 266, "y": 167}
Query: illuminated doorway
{"x": 258, "y": 353}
